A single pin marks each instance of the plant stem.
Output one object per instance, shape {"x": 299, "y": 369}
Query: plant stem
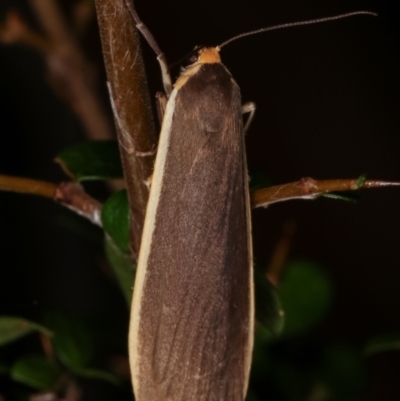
{"x": 27, "y": 186}
{"x": 131, "y": 105}
{"x": 68, "y": 194}
{"x": 308, "y": 188}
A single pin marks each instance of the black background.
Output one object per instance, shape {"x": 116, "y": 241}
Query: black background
{"x": 327, "y": 107}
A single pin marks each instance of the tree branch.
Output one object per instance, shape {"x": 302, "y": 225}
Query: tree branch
{"x": 27, "y": 186}
{"x": 73, "y": 196}
{"x": 308, "y": 188}
{"x": 68, "y": 194}
{"x": 131, "y": 105}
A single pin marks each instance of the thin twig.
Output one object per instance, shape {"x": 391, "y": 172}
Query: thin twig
{"x": 308, "y": 188}
{"x": 27, "y": 186}
{"x": 68, "y": 194}
{"x": 73, "y": 196}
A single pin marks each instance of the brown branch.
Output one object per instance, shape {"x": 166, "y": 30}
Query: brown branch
{"x": 72, "y": 77}
{"x": 68, "y": 194}
{"x": 131, "y": 104}
{"x": 308, "y": 188}
{"x": 73, "y": 196}
{"x": 27, "y": 186}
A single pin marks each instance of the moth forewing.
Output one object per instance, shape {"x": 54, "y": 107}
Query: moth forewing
{"x": 191, "y": 331}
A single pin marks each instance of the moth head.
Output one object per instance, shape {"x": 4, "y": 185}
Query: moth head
{"x": 201, "y": 55}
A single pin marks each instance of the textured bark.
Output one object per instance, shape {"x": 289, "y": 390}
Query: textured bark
{"x": 131, "y": 105}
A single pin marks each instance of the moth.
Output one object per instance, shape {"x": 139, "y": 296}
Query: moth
{"x": 192, "y": 318}
{"x": 192, "y": 315}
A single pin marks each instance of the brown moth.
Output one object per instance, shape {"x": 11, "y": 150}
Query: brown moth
{"x": 192, "y": 319}
{"x": 191, "y": 332}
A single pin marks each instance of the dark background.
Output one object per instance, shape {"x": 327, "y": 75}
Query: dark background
{"x": 327, "y": 107}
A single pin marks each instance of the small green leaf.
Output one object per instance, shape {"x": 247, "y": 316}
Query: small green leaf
{"x": 269, "y": 310}
{"x": 12, "y": 328}
{"x": 383, "y": 343}
{"x": 35, "y": 371}
{"x": 71, "y": 341}
{"x": 115, "y": 219}
{"x": 123, "y": 266}
{"x": 360, "y": 181}
{"x": 91, "y": 160}
{"x": 97, "y": 374}
{"x": 344, "y": 196}
{"x": 306, "y": 294}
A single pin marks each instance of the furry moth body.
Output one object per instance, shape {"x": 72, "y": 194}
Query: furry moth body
{"x": 191, "y": 332}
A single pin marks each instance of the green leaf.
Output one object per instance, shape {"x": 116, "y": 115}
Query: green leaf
{"x": 72, "y": 342}
{"x": 91, "y": 160}
{"x": 97, "y": 374}
{"x": 360, "y": 181}
{"x": 306, "y": 294}
{"x": 383, "y": 343}
{"x": 123, "y": 266}
{"x": 269, "y": 310}
{"x": 35, "y": 371}
{"x": 115, "y": 219}
{"x": 344, "y": 196}
{"x": 12, "y": 328}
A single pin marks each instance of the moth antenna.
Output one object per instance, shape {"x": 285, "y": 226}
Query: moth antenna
{"x": 293, "y": 24}
{"x": 166, "y": 77}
